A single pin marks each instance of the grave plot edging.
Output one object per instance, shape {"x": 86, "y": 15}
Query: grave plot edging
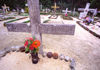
{"x": 86, "y": 28}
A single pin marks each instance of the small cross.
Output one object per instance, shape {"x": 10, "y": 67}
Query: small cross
{"x": 36, "y": 28}
{"x": 5, "y": 9}
{"x": 55, "y": 6}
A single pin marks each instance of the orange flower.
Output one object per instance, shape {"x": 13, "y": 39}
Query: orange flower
{"x": 36, "y": 44}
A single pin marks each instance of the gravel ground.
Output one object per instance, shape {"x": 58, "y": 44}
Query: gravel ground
{"x": 83, "y": 46}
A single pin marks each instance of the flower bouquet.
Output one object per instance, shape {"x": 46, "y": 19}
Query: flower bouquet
{"x": 32, "y": 45}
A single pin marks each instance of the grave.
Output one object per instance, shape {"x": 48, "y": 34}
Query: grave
{"x": 36, "y": 28}
{"x": 54, "y": 16}
{"x": 65, "y": 16}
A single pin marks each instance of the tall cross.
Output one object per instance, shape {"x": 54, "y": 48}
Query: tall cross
{"x": 55, "y": 7}
{"x": 84, "y": 14}
{"x": 36, "y": 28}
{"x": 5, "y": 8}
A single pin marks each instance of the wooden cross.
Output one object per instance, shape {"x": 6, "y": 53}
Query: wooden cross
{"x": 36, "y": 28}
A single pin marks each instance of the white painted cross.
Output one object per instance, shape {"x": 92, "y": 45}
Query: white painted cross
{"x": 5, "y": 9}
{"x": 36, "y": 28}
{"x": 74, "y": 11}
{"x": 95, "y": 12}
{"x": 84, "y": 14}
{"x": 66, "y": 10}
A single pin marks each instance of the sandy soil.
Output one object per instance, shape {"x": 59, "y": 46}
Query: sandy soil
{"x": 83, "y": 47}
{"x": 24, "y": 63}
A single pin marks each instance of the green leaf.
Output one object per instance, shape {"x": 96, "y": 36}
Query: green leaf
{"x": 34, "y": 51}
{"x": 37, "y": 49}
{"x": 31, "y": 41}
{"x": 26, "y": 49}
{"x": 34, "y": 38}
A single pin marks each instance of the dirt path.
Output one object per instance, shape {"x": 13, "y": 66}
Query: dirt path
{"x": 83, "y": 47}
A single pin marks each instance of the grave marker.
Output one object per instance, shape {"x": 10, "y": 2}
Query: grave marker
{"x": 36, "y": 28}
{"x": 5, "y": 9}
{"x": 84, "y": 14}
{"x": 22, "y": 11}
{"x": 74, "y": 11}
{"x": 95, "y": 12}
{"x": 66, "y": 10}
{"x": 55, "y": 7}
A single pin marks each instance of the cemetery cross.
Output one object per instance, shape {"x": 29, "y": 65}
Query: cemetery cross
{"x": 36, "y": 28}
{"x": 55, "y": 7}
{"x": 5, "y": 9}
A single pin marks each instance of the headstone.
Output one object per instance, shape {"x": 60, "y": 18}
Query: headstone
{"x": 46, "y": 10}
{"x": 14, "y": 10}
{"x": 26, "y": 4}
{"x": 74, "y": 11}
{"x": 36, "y": 28}
{"x": 22, "y": 11}
{"x": 43, "y": 10}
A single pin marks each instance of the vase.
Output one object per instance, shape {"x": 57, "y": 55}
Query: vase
{"x": 35, "y": 58}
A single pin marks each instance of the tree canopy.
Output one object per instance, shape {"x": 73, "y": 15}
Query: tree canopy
{"x": 70, "y": 4}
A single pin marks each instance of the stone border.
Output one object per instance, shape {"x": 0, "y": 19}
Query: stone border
{"x": 4, "y": 51}
{"x": 13, "y": 20}
{"x": 63, "y": 57}
{"x": 7, "y": 18}
{"x": 22, "y": 49}
{"x": 86, "y": 28}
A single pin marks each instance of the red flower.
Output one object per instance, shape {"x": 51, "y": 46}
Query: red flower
{"x": 31, "y": 47}
{"x": 36, "y": 44}
{"x": 26, "y": 43}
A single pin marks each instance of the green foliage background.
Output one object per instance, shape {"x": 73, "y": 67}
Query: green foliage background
{"x": 70, "y": 4}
